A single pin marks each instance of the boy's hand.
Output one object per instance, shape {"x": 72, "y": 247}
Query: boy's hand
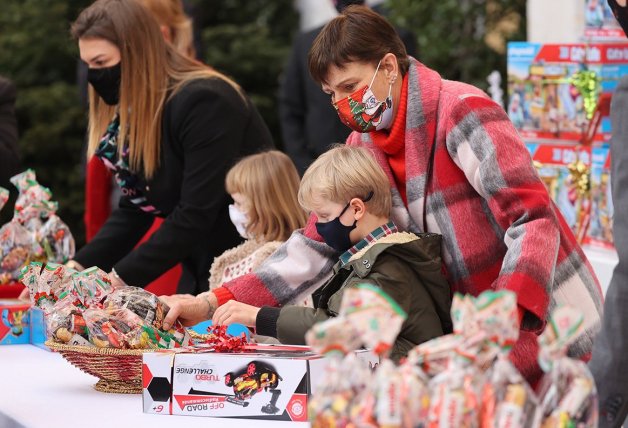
{"x": 236, "y": 312}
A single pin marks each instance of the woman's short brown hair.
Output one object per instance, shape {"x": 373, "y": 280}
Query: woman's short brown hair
{"x": 358, "y": 34}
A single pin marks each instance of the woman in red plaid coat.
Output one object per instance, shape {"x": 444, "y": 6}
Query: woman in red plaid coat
{"x": 456, "y": 167}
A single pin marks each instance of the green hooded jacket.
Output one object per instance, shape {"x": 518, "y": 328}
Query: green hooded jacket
{"x": 404, "y": 265}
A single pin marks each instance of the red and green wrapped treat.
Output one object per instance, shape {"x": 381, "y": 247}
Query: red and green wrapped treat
{"x": 31, "y": 194}
{"x": 15, "y": 250}
{"x": 349, "y": 394}
{"x": 90, "y": 286}
{"x": 507, "y": 399}
{"x": 54, "y": 237}
{"x": 567, "y": 393}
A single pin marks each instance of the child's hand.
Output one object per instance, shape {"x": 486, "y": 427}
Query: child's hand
{"x": 236, "y": 312}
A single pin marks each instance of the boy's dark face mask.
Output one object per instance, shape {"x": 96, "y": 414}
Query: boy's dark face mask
{"x": 337, "y": 235}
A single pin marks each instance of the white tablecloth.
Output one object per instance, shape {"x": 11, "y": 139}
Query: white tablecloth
{"x": 40, "y": 389}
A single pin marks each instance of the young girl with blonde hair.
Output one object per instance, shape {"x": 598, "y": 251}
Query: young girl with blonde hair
{"x": 265, "y": 212}
{"x": 183, "y": 126}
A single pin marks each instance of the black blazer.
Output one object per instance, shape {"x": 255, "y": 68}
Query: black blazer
{"x": 206, "y": 128}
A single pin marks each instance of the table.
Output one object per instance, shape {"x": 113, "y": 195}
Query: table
{"x": 39, "y": 388}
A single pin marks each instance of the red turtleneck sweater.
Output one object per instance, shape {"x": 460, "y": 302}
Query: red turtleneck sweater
{"x": 393, "y": 142}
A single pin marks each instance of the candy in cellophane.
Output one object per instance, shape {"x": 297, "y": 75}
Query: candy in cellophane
{"x": 484, "y": 326}
{"x": 15, "y": 250}
{"x": 152, "y": 312}
{"x": 341, "y": 396}
{"x": 139, "y": 301}
{"x": 375, "y": 315}
{"x": 349, "y": 395}
{"x": 90, "y": 286}
{"x": 54, "y": 237}
{"x": 568, "y": 397}
{"x": 66, "y": 324}
{"x": 83, "y": 308}
{"x": 31, "y": 193}
{"x": 507, "y": 399}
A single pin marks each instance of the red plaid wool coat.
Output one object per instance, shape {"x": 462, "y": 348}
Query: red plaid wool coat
{"x": 500, "y": 229}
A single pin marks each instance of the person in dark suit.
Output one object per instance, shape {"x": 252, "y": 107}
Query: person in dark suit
{"x": 309, "y": 123}
{"x": 609, "y": 361}
{"x": 9, "y": 158}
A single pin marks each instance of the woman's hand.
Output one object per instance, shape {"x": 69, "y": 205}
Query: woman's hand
{"x": 116, "y": 281}
{"x": 189, "y": 310}
{"x": 236, "y": 312}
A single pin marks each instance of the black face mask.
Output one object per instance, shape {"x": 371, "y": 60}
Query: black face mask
{"x": 106, "y": 83}
{"x": 336, "y": 234}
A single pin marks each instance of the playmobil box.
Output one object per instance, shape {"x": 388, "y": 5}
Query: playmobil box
{"x": 600, "y": 23}
{"x": 269, "y": 382}
{"x": 600, "y": 231}
{"x": 561, "y": 167}
{"x": 14, "y": 322}
{"x": 545, "y": 101}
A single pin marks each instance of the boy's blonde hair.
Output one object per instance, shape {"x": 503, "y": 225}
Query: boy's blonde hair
{"x": 271, "y": 182}
{"x": 344, "y": 173}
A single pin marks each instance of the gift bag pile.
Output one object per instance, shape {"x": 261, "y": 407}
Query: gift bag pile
{"x": 82, "y": 308}
{"x": 35, "y": 233}
{"x": 464, "y": 379}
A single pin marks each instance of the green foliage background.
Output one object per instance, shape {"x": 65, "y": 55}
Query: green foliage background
{"x": 247, "y": 39}
{"x": 452, "y": 35}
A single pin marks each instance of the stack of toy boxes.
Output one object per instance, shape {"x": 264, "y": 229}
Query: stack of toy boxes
{"x": 549, "y": 112}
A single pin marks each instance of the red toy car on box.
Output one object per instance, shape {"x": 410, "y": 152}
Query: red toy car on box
{"x": 256, "y": 377}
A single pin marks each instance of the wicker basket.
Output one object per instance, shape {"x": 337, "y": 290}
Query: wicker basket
{"x": 119, "y": 370}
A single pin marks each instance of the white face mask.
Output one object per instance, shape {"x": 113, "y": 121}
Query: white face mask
{"x": 239, "y": 220}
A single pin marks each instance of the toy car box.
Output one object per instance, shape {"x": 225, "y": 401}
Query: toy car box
{"x": 269, "y": 382}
